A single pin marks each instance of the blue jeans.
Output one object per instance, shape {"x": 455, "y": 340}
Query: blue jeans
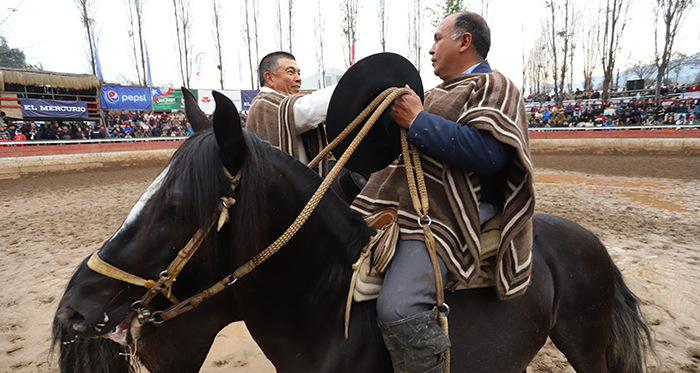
{"x": 409, "y": 283}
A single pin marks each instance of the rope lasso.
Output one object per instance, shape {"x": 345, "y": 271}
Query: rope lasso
{"x": 386, "y": 98}
{"x": 419, "y": 198}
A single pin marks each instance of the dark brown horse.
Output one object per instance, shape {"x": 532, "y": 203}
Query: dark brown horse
{"x": 294, "y": 303}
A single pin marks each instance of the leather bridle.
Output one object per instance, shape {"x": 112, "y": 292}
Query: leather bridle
{"x": 167, "y": 277}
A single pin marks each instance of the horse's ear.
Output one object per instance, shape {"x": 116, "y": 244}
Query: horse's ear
{"x": 228, "y": 131}
{"x": 198, "y": 120}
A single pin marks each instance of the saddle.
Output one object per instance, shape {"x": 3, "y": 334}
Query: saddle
{"x": 372, "y": 268}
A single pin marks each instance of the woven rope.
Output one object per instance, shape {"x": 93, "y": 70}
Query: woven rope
{"x": 419, "y": 198}
{"x": 392, "y": 94}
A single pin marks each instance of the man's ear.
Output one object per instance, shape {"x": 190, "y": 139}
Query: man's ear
{"x": 268, "y": 78}
{"x": 465, "y": 42}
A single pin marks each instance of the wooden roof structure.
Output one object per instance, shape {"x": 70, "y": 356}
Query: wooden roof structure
{"x": 9, "y": 76}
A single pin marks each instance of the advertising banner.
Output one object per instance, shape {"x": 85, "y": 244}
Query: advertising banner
{"x": 168, "y": 99}
{"x": 32, "y": 108}
{"x": 125, "y": 98}
{"x": 207, "y": 103}
{"x": 246, "y": 98}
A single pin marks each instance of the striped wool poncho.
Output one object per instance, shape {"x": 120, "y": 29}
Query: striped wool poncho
{"x": 489, "y": 102}
{"x": 272, "y": 114}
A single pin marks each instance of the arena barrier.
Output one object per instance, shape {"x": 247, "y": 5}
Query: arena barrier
{"x": 22, "y": 158}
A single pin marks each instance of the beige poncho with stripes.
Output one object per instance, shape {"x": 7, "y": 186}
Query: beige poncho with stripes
{"x": 272, "y": 114}
{"x": 488, "y": 102}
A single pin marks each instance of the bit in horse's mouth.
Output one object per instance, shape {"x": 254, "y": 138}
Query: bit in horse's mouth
{"x": 127, "y": 332}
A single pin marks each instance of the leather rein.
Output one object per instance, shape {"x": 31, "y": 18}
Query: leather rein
{"x": 167, "y": 277}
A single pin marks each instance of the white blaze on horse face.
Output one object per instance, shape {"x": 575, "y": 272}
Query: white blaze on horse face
{"x": 141, "y": 203}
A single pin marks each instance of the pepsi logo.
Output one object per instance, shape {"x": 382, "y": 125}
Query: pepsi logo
{"x": 113, "y": 96}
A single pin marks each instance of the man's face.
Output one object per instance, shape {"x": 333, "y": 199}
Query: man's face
{"x": 286, "y": 78}
{"x": 445, "y": 52}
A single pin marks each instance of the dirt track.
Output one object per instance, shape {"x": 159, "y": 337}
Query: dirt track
{"x": 645, "y": 209}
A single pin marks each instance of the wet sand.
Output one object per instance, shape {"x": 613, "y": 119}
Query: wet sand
{"x": 645, "y": 209}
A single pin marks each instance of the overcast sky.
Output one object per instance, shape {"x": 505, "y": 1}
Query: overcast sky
{"x": 50, "y": 33}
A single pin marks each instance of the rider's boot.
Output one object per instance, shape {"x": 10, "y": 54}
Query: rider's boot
{"x": 416, "y": 344}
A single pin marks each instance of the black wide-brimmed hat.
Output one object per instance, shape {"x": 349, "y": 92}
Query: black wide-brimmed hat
{"x": 361, "y": 84}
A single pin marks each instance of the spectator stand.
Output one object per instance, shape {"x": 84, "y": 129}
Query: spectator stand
{"x": 65, "y": 96}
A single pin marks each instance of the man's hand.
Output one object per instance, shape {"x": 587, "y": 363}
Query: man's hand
{"x": 405, "y": 108}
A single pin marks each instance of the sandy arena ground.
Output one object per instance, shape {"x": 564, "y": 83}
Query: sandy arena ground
{"x": 645, "y": 209}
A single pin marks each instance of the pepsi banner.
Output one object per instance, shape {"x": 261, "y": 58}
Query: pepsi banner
{"x": 37, "y": 108}
{"x": 125, "y": 98}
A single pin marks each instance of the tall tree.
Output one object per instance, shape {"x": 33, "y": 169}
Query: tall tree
{"x": 615, "y": 21}
{"x": 383, "y": 18}
{"x": 250, "y": 36}
{"x": 672, "y": 13}
{"x": 290, "y": 23}
{"x": 538, "y": 65}
{"x": 415, "y": 33}
{"x": 560, "y": 30}
{"x": 246, "y": 31}
{"x": 319, "y": 30}
{"x": 218, "y": 31}
{"x": 87, "y": 19}
{"x": 590, "y": 45}
{"x": 183, "y": 28}
{"x": 14, "y": 57}
{"x": 279, "y": 26}
{"x": 136, "y": 20}
{"x": 445, "y": 9}
{"x": 348, "y": 13}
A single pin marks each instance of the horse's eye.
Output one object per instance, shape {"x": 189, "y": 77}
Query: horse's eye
{"x": 176, "y": 211}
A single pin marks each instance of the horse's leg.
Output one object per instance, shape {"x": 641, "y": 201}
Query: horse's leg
{"x": 585, "y": 292}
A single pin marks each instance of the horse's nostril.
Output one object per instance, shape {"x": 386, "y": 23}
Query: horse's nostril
{"x": 72, "y": 318}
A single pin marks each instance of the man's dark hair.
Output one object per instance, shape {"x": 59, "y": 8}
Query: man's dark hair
{"x": 476, "y": 25}
{"x": 269, "y": 64}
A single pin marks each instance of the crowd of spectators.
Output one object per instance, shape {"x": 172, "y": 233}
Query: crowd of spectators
{"x": 633, "y": 112}
{"x": 117, "y": 125}
{"x": 592, "y": 94}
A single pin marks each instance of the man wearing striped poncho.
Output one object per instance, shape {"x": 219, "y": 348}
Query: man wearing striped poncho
{"x": 289, "y": 120}
{"x": 473, "y": 143}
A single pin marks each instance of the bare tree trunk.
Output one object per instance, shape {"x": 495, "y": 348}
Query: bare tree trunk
{"x": 183, "y": 27}
{"x": 246, "y": 36}
{"x": 291, "y": 22}
{"x": 673, "y": 13}
{"x": 131, "y": 17}
{"x": 348, "y": 12}
{"x": 278, "y": 26}
{"x": 383, "y": 17}
{"x": 319, "y": 28}
{"x": 217, "y": 18}
{"x": 565, "y": 33}
{"x": 138, "y": 7}
{"x": 590, "y": 45}
{"x": 86, "y": 18}
{"x": 553, "y": 45}
{"x": 256, "y": 39}
{"x": 415, "y": 33}
{"x": 615, "y": 22}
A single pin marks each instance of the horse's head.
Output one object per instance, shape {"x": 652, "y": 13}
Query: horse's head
{"x": 183, "y": 201}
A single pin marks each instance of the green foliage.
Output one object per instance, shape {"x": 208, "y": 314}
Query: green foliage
{"x": 450, "y": 6}
{"x": 14, "y": 58}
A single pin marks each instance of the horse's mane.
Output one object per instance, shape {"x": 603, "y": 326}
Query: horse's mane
{"x": 197, "y": 166}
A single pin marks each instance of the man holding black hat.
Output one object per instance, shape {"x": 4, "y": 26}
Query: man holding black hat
{"x": 289, "y": 120}
{"x": 473, "y": 143}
